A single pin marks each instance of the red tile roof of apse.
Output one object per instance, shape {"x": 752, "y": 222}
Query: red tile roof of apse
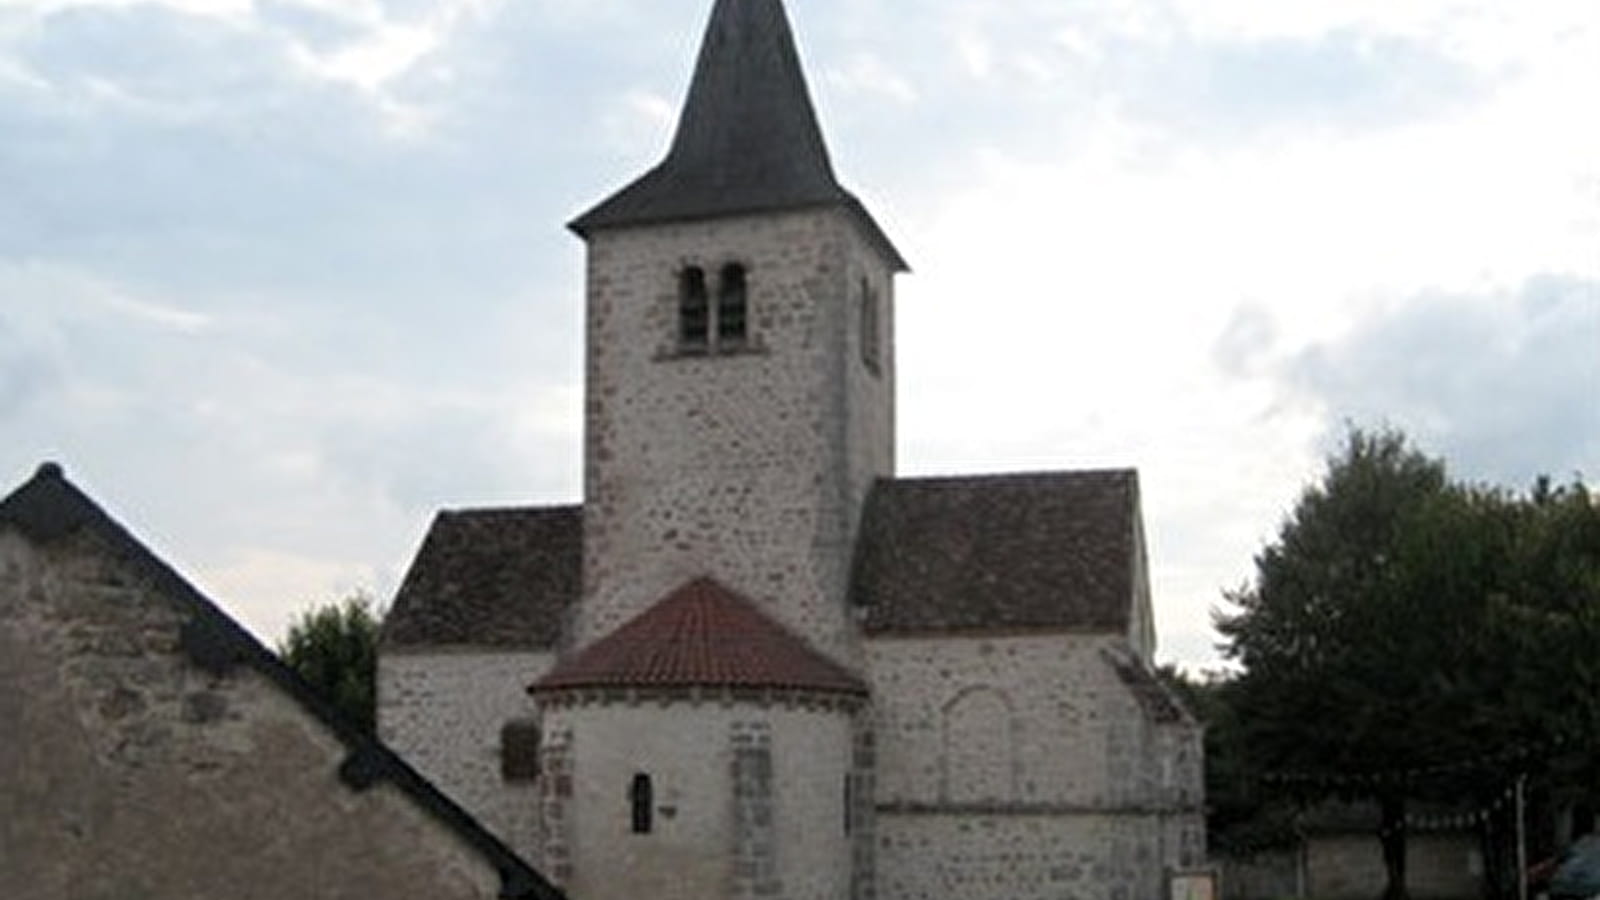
{"x": 701, "y": 635}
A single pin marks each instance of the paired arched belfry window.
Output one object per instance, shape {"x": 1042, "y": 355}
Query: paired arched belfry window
{"x": 642, "y": 800}
{"x": 720, "y": 327}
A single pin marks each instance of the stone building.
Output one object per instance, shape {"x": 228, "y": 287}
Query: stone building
{"x": 151, "y": 748}
{"x": 754, "y": 662}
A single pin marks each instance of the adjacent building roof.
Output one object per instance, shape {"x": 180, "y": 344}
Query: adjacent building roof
{"x": 491, "y": 578}
{"x": 702, "y": 635}
{"x": 747, "y": 140}
{"x": 1001, "y": 552}
{"x": 49, "y": 508}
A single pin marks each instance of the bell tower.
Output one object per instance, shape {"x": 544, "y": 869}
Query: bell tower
{"x": 740, "y": 368}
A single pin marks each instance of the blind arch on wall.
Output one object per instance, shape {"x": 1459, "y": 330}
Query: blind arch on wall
{"x": 978, "y": 758}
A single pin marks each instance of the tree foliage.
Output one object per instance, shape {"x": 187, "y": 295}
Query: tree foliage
{"x": 1401, "y": 624}
{"x": 334, "y": 648}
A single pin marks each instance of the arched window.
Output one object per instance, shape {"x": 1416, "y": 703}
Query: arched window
{"x": 694, "y": 310}
{"x": 642, "y": 799}
{"x": 732, "y": 308}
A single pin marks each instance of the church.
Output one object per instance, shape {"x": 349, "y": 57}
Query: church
{"x": 755, "y": 662}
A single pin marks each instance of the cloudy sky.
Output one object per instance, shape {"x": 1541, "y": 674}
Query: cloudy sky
{"x": 280, "y": 278}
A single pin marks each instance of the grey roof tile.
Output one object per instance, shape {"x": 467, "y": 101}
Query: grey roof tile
{"x": 993, "y": 553}
{"x": 493, "y": 578}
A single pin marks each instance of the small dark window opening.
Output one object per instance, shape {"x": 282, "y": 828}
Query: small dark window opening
{"x": 694, "y": 310}
{"x": 732, "y": 307}
{"x": 642, "y": 797}
{"x": 871, "y": 329}
{"x": 519, "y": 751}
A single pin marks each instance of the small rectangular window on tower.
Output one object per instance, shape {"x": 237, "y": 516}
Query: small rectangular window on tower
{"x": 871, "y": 329}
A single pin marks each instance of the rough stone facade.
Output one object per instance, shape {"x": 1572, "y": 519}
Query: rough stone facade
{"x": 748, "y": 464}
{"x": 449, "y": 710}
{"x": 749, "y": 798}
{"x": 148, "y": 748}
{"x": 1026, "y": 767}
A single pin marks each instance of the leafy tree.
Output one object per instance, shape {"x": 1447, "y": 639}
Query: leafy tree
{"x": 1402, "y": 626}
{"x": 1340, "y": 649}
{"x": 334, "y": 648}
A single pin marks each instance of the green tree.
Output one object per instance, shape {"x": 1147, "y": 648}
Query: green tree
{"x": 1340, "y": 649}
{"x": 334, "y": 648}
{"x": 1406, "y": 637}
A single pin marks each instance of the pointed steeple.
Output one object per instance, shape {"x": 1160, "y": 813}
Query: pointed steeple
{"x": 747, "y": 140}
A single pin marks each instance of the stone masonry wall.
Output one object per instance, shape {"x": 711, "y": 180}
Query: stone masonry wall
{"x": 751, "y": 466}
{"x": 1015, "y": 767}
{"x": 126, "y": 771}
{"x": 748, "y": 800}
{"x": 444, "y": 711}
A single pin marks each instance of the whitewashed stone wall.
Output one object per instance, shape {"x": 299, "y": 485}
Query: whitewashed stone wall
{"x": 1016, "y": 767}
{"x": 444, "y": 711}
{"x": 714, "y": 833}
{"x": 749, "y": 467}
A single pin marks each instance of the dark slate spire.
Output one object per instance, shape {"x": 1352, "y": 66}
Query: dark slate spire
{"x": 747, "y": 140}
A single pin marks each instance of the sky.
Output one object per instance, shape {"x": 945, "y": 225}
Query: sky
{"x": 279, "y": 279}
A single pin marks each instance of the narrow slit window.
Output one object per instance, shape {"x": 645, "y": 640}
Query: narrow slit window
{"x": 732, "y": 307}
{"x": 849, "y": 803}
{"x": 642, "y": 798}
{"x": 694, "y": 310}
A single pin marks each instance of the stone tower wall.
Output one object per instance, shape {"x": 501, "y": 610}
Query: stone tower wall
{"x": 749, "y": 466}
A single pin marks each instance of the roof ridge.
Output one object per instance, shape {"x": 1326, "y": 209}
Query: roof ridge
{"x": 1018, "y": 475}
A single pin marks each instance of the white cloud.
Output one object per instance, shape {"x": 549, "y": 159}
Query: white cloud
{"x": 344, "y": 333}
{"x": 229, "y": 10}
{"x": 267, "y": 588}
{"x": 869, "y": 74}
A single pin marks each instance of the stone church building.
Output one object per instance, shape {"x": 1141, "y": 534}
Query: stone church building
{"x": 755, "y": 662}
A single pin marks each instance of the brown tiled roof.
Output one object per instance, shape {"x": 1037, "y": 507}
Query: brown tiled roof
{"x": 701, "y": 635}
{"x": 1038, "y": 551}
{"x": 499, "y": 578}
